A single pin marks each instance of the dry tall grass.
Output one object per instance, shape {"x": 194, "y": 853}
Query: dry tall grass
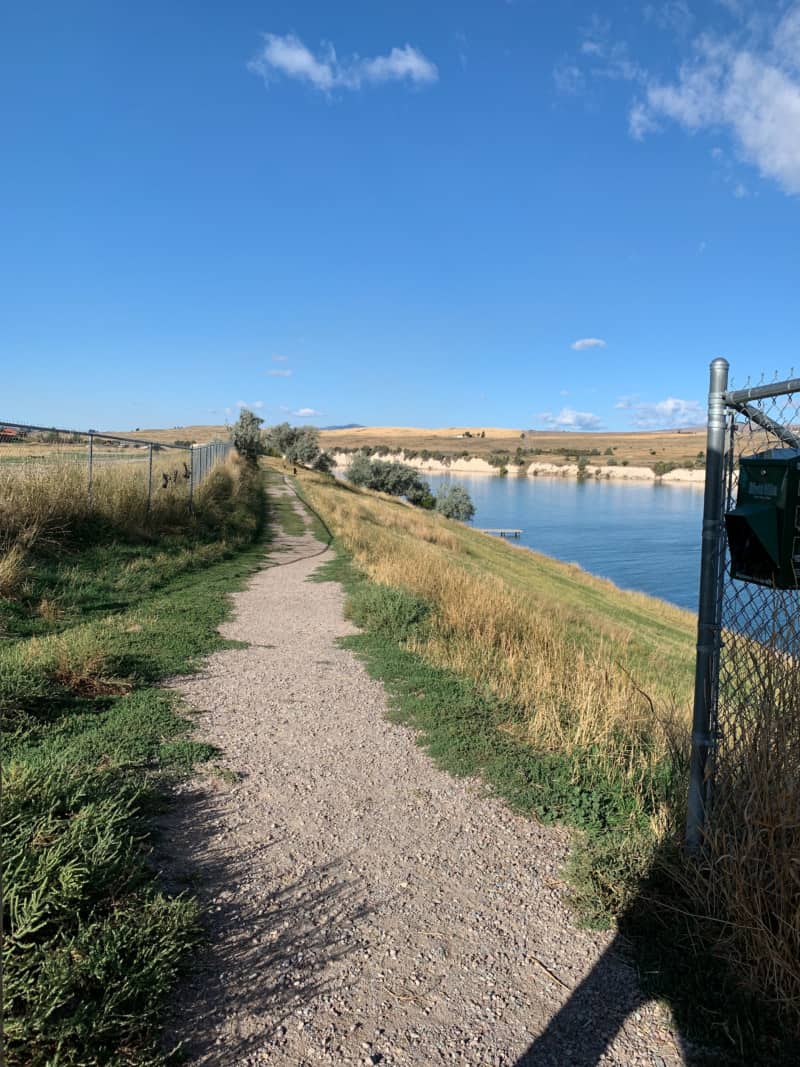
{"x": 50, "y": 503}
{"x": 51, "y": 498}
{"x": 749, "y": 877}
{"x": 585, "y": 671}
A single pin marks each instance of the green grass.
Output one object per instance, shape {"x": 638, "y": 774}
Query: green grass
{"x": 291, "y": 521}
{"x": 93, "y": 945}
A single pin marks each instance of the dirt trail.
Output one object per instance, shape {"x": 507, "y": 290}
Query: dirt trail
{"x": 364, "y": 907}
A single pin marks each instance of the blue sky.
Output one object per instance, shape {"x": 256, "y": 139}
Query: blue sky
{"x": 481, "y": 213}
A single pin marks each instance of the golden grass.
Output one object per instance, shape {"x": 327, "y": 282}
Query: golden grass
{"x": 586, "y": 664}
{"x": 12, "y": 570}
{"x": 48, "y": 499}
{"x": 642, "y": 449}
{"x": 749, "y": 877}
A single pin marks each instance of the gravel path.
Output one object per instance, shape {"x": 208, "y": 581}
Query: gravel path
{"x": 363, "y": 906}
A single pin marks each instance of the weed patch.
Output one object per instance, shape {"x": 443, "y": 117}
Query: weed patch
{"x": 92, "y": 944}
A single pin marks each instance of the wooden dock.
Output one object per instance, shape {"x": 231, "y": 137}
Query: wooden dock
{"x": 503, "y": 532}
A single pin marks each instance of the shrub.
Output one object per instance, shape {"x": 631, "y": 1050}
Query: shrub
{"x": 396, "y": 479}
{"x": 390, "y": 612}
{"x": 661, "y": 468}
{"x": 454, "y": 502}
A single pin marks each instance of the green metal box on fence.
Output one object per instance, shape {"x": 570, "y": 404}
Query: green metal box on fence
{"x": 764, "y": 527}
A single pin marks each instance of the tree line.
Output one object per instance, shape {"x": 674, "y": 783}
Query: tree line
{"x": 299, "y": 445}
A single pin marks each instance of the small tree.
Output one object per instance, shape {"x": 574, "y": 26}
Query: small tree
{"x": 454, "y": 502}
{"x": 298, "y": 445}
{"x": 396, "y": 479}
{"x": 324, "y": 463}
{"x": 360, "y": 470}
{"x": 246, "y": 437}
{"x": 304, "y": 449}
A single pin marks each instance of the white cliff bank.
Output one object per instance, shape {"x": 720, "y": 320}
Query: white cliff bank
{"x": 475, "y": 465}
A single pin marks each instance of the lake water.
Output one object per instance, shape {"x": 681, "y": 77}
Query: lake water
{"x": 642, "y": 536}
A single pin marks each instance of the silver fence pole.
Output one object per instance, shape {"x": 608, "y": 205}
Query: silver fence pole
{"x": 708, "y": 614}
{"x": 90, "y": 486}
{"x": 149, "y": 476}
{"x": 191, "y": 478}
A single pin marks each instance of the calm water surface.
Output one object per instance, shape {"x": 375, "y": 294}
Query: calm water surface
{"x": 641, "y": 536}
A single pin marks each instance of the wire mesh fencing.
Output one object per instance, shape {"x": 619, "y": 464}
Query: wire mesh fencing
{"x": 743, "y": 822}
{"x": 756, "y": 718}
{"x": 110, "y": 464}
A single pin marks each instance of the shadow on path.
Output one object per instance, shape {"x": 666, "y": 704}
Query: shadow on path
{"x": 268, "y": 945}
{"x": 585, "y": 1026}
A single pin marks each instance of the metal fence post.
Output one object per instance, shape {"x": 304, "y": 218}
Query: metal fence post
{"x": 90, "y": 486}
{"x": 708, "y": 608}
{"x": 191, "y": 477}
{"x": 149, "y": 476}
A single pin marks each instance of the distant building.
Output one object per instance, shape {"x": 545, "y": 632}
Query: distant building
{"x": 8, "y": 434}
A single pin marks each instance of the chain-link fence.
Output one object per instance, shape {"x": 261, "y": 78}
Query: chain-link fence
{"x": 746, "y": 739}
{"x": 177, "y": 468}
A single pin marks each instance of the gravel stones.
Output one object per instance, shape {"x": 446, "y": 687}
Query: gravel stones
{"x": 362, "y": 906}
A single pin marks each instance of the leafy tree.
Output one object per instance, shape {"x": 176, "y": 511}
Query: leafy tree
{"x": 246, "y": 437}
{"x": 304, "y": 449}
{"x": 396, "y": 479}
{"x": 280, "y": 437}
{"x": 298, "y": 445}
{"x": 454, "y": 502}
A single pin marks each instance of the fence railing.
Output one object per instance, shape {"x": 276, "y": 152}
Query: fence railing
{"x": 25, "y": 443}
{"x": 746, "y": 726}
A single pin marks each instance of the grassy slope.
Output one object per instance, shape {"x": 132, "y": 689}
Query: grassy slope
{"x": 92, "y": 944}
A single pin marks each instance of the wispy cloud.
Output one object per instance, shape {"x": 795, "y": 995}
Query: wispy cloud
{"x": 669, "y": 414}
{"x": 753, "y": 93}
{"x": 251, "y": 405}
{"x": 279, "y": 373}
{"x": 570, "y": 419}
{"x": 306, "y": 413}
{"x": 744, "y": 83}
{"x": 461, "y": 46}
{"x": 588, "y": 342}
{"x": 280, "y": 359}
{"x": 287, "y": 56}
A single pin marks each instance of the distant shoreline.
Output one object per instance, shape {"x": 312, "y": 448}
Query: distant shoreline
{"x": 595, "y": 472}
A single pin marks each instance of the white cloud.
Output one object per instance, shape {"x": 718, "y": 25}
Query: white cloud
{"x": 280, "y": 359}
{"x": 251, "y": 405}
{"x": 744, "y": 84}
{"x": 750, "y": 90}
{"x": 279, "y": 373}
{"x": 641, "y": 121}
{"x": 588, "y": 342}
{"x": 569, "y": 78}
{"x": 669, "y": 414}
{"x": 674, "y": 15}
{"x": 288, "y": 56}
{"x": 306, "y": 413}
{"x": 570, "y": 419}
